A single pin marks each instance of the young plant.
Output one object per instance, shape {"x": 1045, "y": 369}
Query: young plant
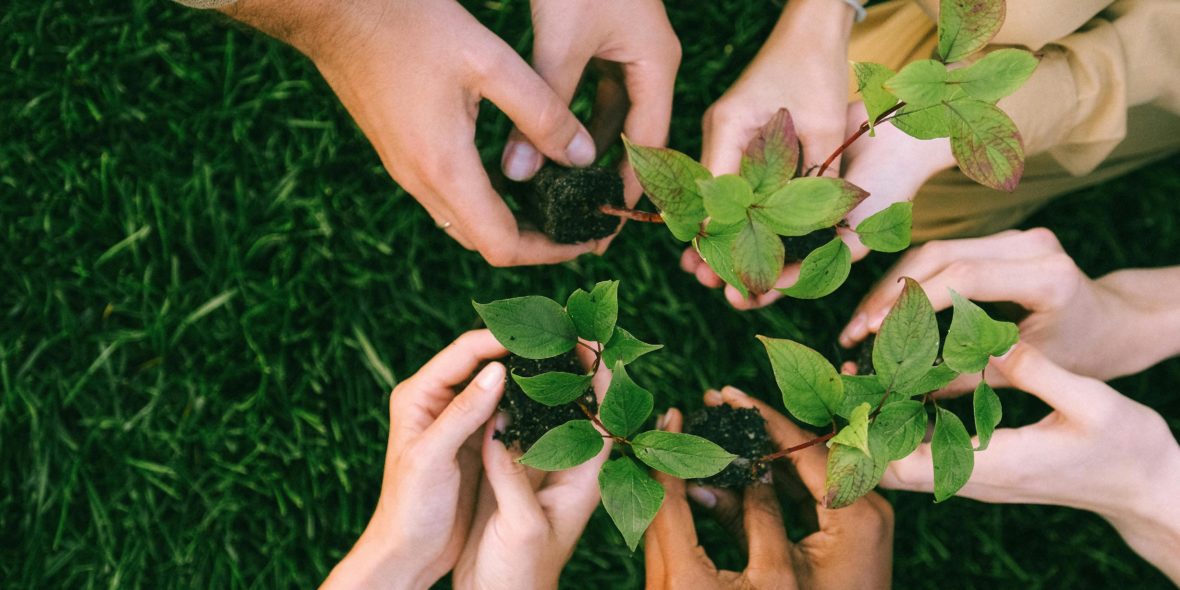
{"x": 876, "y": 419}
{"x": 740, "y": 222}
{"x": 540, "y": 328}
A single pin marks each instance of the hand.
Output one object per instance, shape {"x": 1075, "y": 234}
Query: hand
{"x": 1097, "y": 450}
{"x": 892, "y": 166}
{"x": 1098, "y": 328}
{"x": 412, "y": 73}
{"x": 432, "y": 467}
{"x": 853, "y": 547}
{"x": 527, "y": 521}
{"x": 632, "y": 46}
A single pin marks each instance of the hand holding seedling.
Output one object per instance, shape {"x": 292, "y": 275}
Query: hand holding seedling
{"x": 1097, "y": 450}
{"x": 851, "y": 549}
{"x": 412, "y": 75}
{"x": 1104, "y": 328}
{"x": 432, "y": 469}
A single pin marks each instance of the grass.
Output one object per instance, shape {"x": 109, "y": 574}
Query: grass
{"x": 209, "y": 285}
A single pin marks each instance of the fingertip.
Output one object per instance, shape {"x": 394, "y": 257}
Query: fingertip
{"x": 521, "y": 160}
{"x": 736, "y": 397}
{"x": 491, "y": 377}
{"x": 713, "y": 398}
{"x": 581, "y": 151}
{"x": 848, "y": 368}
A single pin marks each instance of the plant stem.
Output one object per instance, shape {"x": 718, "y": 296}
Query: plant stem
{"x": 864, "y": 128}
{"x": 798, "y": 447}
{"x": 632, "y": 214}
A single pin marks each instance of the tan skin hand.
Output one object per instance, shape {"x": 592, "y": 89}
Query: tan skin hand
{"x": 852, "y": 547}
{"x": 412, "y": 74}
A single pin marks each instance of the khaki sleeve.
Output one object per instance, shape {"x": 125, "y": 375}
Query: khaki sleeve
{"x": 205, "y": 3}
{"x": 1075, "y": 104}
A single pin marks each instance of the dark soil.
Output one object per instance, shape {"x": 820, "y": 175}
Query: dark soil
{"x": 528, "y": 420}
{"x": 799, "y": 247}
{"x": 864, "y": 352}
{"x": 564, "y": 202}
{"x": 741, "y": 431}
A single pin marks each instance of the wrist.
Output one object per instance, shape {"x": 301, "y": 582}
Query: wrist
{"x": 306, "y": 25}
{"x": 1150, "y": 524}
{"x": 821, "y": 25}
{"x": 372, "y": 563}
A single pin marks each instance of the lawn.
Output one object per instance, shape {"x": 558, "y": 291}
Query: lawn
{"x": 209, "y": 286}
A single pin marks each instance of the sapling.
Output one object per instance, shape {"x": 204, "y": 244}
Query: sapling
{"x": 745, "y": 226}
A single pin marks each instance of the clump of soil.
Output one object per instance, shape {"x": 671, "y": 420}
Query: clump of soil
{"x": 528, "y": 419}
{"x": 564, "y": 202}
{"x": 800, "y": 246}
{"x": 741, "y": 431}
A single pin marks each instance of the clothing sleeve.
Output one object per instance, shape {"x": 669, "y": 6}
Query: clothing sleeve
{"x": 205, "y": 3}
{"x": 1075, "y": 105}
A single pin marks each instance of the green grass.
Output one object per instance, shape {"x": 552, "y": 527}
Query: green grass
{"x": 209, "y": 284}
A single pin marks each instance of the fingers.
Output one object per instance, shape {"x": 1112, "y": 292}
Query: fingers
{"x": 673, "y": 525}
{"x": 510, "y": 482}
{"x": 1025, "y": 368}
{"x": 466, "y": 413}
{"x": 541, "y": 115}
{"x": 765, "y": 532}
{"x": 454, "y": 364}
{"x": 724, "y": 137}
{"x": 811, "y": 462}
{"x": 569, "y": 497}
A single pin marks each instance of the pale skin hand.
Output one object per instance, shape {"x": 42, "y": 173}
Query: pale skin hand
{"x": 892, "y": 166}
{"x": 853, "y": 547}
{"x": 432, "y": 470}
{"x": 412, "y": 74}
{"x": 1097, "y": 451}
{"x": 636, "y": 53}
{"x": 527, "y": 522}
{"x": 1110, "y": 327}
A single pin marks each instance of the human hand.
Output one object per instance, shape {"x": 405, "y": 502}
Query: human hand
{"x": 527, "y": 521}
{"x": 851, "y": 549}
{"x": 1096, "y": 328}
{"x": 432, "y": 465}
{"x": 891, "y": 166}
{"x": 412, "y": 74}
{"x": 632, "y": 46}
{"x": 1097, "y": 450}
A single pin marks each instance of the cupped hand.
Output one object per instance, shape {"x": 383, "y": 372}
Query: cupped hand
{"x": 852, "y": 547}
{"x": 412, "y": 74}
{"x": 1096, "y": 328}
{"x": 432, "y": 469}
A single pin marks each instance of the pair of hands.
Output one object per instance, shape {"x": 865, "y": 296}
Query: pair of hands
{"x": 412, "y": 74}
{"x": 452, "y": 497}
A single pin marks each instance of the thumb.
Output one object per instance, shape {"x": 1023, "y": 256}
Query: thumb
{"x": 469, "y": 411}
{"x": 538, "y": 112}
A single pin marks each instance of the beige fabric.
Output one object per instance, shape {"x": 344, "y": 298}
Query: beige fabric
{"x": 1103, "y": 101}
{"x": 205, "y": 3}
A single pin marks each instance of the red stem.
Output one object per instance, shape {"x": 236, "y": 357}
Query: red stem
{"x": 864, "y": 128}
{"x": 632, "y": 214}
{"x": 798, "y": 447}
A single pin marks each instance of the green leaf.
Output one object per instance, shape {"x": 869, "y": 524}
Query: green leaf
{"x": 631, "y": 498}
{"x": 966, "y": 26}
{"x": 850, "y": 475}
{"x": 870, "y": 80}
{"x": 986, "y": 144}
{"x": 907, "y": 342}
{"x": 565, "y": 446}
{"x": 772, "y": 157}
{"x": 716, "y": 249}
{"x": 626, "y": 405}
{"x": 685, "y": 456}
{"x": 533, "y": 327}
{"x": 554, "y": 388}
{"x": 901, "y": 426}
{"x": 812, "y": 390}
{"x": 950, "y": 448}
{"x": 822, "y": 271}
{"x": 888, "y": 230}
{"x": 625, "y": 348}
{"x": 758, "y": 257}
{"x": 936, "y": 378}
{"x": 923, "y": 83}
{"x": 856, "y": 433}
{"x": 807, "y": 204}
{"x": 726, "y": 197}
{"x": 997, "y": 75}
{"x": 864, "y": 389}
{"x": 931, "y": 122}
{"x": 670, "y": 180}
{"x": 974, "y": 337}
{"x": 595, "y": 313}
{"x": 987, "y": 413}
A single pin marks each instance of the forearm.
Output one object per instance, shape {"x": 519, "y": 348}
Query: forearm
{"x": 371, "y": 564}
{"x": 306, "y": 25}
{"x": 825, "y": 25}
{"x": 1152, "y": 297}
{"x": 1151, "y": 526}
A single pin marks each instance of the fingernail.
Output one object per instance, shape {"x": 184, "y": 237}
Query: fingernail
{"x": 501, "y": 422}
{"x": 580, "y": 151}
{"x": 713, "y": 397}
{"x": 855, "y": 327}
{"x": 490, "y": 377}
{"x": 702, "y": 496}
{"x": 660, "y": 421}
{"x": 767, "y": 478}
{"x": 1005, "y": 356}
{"x": 521, "y": 161}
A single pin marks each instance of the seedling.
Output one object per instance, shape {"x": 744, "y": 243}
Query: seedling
{"x": 739, "y": 222}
